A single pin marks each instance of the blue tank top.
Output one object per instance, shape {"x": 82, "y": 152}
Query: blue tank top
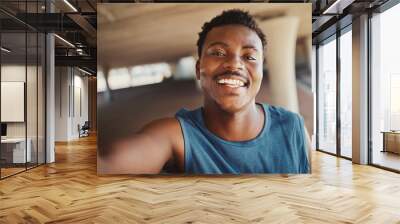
{"x": 279, "y": 148}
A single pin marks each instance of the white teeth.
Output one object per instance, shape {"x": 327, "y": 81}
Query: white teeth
{"x": 233, "y": 82}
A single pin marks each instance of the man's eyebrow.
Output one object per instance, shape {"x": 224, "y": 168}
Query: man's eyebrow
{"x": 218, "y": 43}
{"x": 250, "y": 47}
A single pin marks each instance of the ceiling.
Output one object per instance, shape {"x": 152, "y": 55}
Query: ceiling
{"x": 39, "y": 6}
{"x": 131, "y": 34}
{"x": 72, "y": 20}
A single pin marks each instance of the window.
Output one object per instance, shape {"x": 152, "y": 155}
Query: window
{"x": 327, "y": 96}
{"x": 346, "y": 93}
{"x": 385, "y": 89}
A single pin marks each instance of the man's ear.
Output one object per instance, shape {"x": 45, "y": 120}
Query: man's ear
{"x": 198, "y": 69}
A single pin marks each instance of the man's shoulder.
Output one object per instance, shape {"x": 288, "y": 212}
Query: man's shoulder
{"x": 165, "y": 129}
{"x": 185, "y": 113}
{"x": 165, "y": 125}
{"x": 171, "y": 125}
{"x": 283, "y": 115}
{"x": 288, "y": 120}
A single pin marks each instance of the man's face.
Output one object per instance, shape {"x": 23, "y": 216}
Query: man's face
{"x": 230, "y": 67}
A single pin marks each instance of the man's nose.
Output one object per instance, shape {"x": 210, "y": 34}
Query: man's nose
{"x": 234, "y": 62}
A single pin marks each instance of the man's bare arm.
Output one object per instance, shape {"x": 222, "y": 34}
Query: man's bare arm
{"x": 144, "y": 153}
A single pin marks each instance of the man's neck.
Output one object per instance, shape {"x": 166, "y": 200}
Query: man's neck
{"x": 242, "y": 125}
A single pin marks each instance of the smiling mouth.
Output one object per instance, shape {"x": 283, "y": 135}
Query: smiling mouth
{"x": 232, "y": 82}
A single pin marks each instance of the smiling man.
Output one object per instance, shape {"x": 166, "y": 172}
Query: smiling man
{"x": 231, "y": 133}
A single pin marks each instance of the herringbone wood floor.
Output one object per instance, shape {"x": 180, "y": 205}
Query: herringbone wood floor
{"x": 70, "y": 191}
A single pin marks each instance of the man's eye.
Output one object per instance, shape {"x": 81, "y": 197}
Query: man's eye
{"x": 249, "y": 57}
{"x": 218, "y": 53}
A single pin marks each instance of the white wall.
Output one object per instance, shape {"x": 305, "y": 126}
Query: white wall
{"x": 14, "y": 73}
{"x": 17, "y": 73}
{"x": 70, "y": 83}
{"x": 62, "y": 81}
{"x": 79, "y": 117}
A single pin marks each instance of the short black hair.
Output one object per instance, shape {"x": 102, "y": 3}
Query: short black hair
{"x": 230, "y": 17}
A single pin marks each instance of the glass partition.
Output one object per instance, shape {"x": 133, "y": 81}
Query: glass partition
{"x": 41, "y": 109}
{"x": 22, "y": 77}
{"x": 31, "y": 100}
{"x": 14, "y": 153}
{"x": 32, "y": 87}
